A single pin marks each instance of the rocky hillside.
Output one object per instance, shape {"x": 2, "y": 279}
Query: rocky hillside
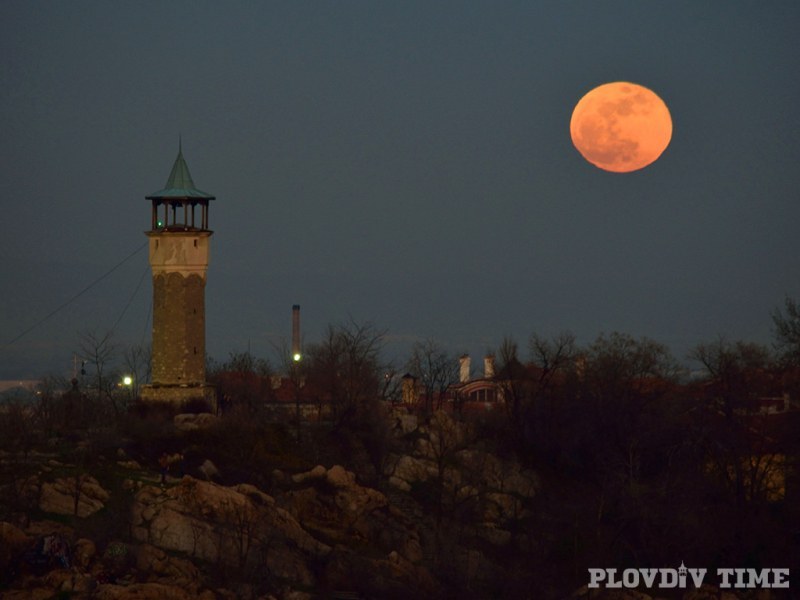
{"x": 91, "y": 520}
{"x": 233, "y": 507}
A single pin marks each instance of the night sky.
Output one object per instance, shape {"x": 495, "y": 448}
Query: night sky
{"x": 403, "y": 163}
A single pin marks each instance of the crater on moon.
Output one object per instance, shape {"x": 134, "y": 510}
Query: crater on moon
{"x": 621, "y": 127}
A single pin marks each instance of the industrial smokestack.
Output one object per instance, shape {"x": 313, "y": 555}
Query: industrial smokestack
{"x": 296, "y": 356}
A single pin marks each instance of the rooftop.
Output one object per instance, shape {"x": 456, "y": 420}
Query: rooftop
{"x": 179, "y": 183}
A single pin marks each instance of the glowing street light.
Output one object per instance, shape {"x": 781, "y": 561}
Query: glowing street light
{"x": 127, "y": 380}
{"x": 296, "y": 357}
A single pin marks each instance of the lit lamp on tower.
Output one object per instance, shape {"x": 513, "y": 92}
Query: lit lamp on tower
{"x": 179, "y": 245}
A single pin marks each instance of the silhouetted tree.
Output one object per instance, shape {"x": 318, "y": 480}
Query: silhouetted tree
{"x": 243, "y": 383}
{"x": 743, "y": 450}
{"x": 100, "y": 352}
{"x": 295, "y": 368}
{"x": 787, "y": 332}
{"x": 346, "y": 366}
{"x": 18, "y": 437}
{"x": 534, "y": 391}
{"x": 737, "y": 373}
{"x": 434, "y": 369}
{"x": 553, "y": 360}
{"x": 137, "y": 362}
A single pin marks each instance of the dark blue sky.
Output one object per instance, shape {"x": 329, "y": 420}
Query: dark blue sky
{"x": 405, "y": 163}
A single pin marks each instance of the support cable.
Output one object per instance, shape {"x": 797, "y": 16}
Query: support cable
{"x": 146, "y": 322}
{"x": 124, "y": 310}
{"x": 79, "y": 294}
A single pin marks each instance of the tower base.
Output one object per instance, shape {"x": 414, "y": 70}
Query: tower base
{"x": 177, "y": 397}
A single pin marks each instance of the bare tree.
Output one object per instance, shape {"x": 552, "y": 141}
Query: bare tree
{"x": 346, "y": 370}
{"x": 553, "y": 359}
{"x": 17, "y": 440}
{"x": 554, "y": 355}
{"x": 47, "y": 412}
{"x": 99, "y": 353}
{"x": 346, "y": 365}
{"x": 733, "y": 369}
{"x": 445, "y": 438}
{"x": 435, "y": 369}
{"x": 243, "y": 382}
{"x": 295, "y": 368}
{"x": 512, "y": 374}
{"x": 137, "y": 362}
{"x": 622, "y": 381}
{"x": 531, "y": 390}
{"x": 787, "y": 332}
{"x": 737, "y": 440}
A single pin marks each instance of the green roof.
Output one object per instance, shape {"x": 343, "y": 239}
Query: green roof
{"x": 179, "y": 184}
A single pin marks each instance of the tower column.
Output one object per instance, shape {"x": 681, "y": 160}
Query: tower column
{"x": 179, "y": 262}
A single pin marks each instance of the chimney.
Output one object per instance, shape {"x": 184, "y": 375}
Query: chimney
{"x": 464, "y": 362}
{"x": 409, "y": 389}
{"x": 296, "y": 333}
{"x": 488, "y": 366}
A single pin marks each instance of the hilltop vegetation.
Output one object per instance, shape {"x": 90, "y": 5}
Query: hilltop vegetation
{"x": 597, "y": 456}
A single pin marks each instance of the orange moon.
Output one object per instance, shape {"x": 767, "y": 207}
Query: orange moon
{"x": 621, "y": 127}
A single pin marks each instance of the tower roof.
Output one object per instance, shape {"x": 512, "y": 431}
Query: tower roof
{"x": 179, "y": 184}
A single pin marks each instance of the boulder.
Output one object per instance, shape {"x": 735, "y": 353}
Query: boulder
{"x": 353, "y": 515}
{"x": 59, "y": 496}
{"x": 83, "y": 552}
{"x": 404, "y": 423}
{"x": 317, "y": 472}
{"x": 328, "y": 511}
{"x": 338, "y": 477}
{"x": 131, "y": 465}
{"x": 492, "y": 534}
{"x": 46, "y": 527}
{"x": 159, "y": 567}
{"x": 389, "y": 577}
{"x": 503, "y": 507}
{"x": 412, "y": 470}
{"x": 192, "y": 422}
{"x": 68, "y": 582}
{"x": 234, "y": 525}
{"x": 209, "y": 470}
{"x": 37, "y": 593}
{"x": 142, "y": 591}
{"x": 400, "y": 484}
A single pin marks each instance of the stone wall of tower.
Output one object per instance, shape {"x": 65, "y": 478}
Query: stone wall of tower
{"x": 178, "y": 329}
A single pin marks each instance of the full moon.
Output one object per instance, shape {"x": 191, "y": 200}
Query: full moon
{"x": 621, "y": 127}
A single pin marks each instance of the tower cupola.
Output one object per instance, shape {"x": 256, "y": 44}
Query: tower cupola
{"x": 180, "y": 198}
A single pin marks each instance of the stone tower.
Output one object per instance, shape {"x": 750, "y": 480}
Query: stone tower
{"x": 179, "y": 244}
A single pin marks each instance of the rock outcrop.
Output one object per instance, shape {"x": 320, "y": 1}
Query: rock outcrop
{"x": 334, "y": 507}
{"x": 60, "y": 496}
{"x": 192, "y": 422}
{"x": 239, "y": 526}
{"x": 148, "y": 591}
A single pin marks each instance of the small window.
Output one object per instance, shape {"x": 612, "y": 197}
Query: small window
{"x": 195, "y": 243}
